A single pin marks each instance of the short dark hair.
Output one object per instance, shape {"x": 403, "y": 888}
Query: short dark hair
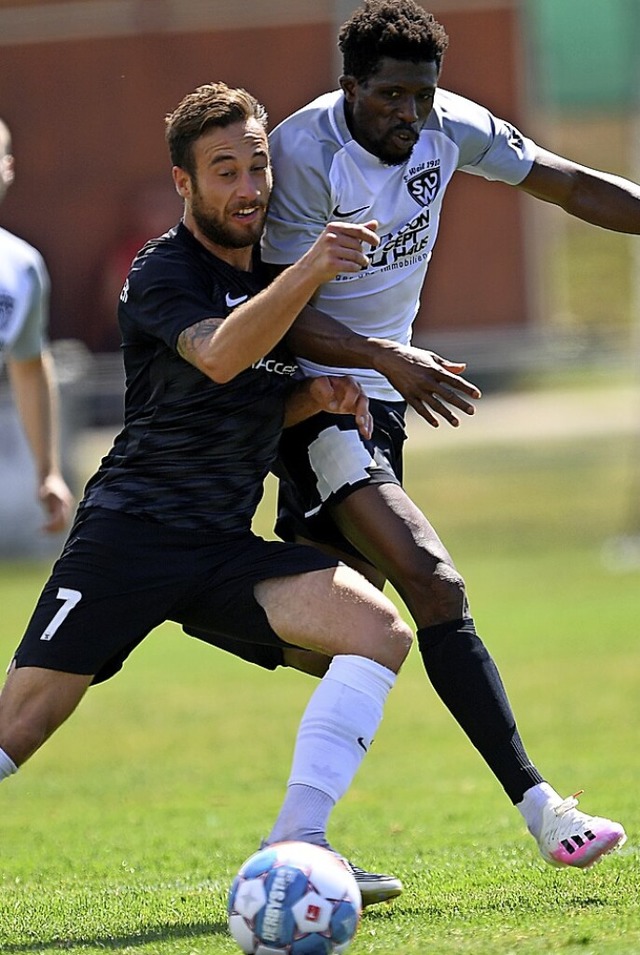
{"x": 214, "y": 104}
{"x": 401, "y": 29}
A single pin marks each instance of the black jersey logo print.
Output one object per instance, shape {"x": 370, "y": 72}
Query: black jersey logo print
{"x": 515, "y": 137}
{"x": 338, "y": 213}
{"x": 411, "y": 241}
{"x": 424, "y": 187}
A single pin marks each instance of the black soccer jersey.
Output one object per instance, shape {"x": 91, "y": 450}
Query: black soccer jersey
{"x": 192, "y": 453}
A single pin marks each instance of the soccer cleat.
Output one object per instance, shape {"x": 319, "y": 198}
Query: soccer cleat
{"x": 570, "y": 837}
{"x": 373, "y": 887}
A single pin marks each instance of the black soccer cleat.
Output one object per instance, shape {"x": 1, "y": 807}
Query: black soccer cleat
{"x": 374, "y": 887}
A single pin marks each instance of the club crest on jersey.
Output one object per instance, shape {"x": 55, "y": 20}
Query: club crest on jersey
{"x": 424, "y": 186}
{"x": 515, "y": 137}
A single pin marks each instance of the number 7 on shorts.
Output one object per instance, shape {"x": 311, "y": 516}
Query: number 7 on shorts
{"x": 71, "y": 598}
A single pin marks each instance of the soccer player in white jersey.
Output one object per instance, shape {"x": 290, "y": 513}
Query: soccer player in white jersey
{"x": 24, "y": 301}
{"x": 381, "y": 150}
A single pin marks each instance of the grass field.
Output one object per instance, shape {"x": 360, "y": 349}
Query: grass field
{"x": 124, "y": 833}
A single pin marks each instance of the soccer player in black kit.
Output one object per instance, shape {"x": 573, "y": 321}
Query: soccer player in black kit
{"x": 163, "y": 531}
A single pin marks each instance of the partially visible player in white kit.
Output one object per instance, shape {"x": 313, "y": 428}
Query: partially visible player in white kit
{"x": 381, "y": 150}
{"x": 24, "y": 306}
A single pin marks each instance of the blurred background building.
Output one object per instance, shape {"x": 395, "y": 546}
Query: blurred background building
{"x": 85, "y": 84}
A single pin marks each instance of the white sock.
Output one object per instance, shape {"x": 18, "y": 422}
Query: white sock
{"x": 336, "y": 730}
{"x": 533, "y": 802}
{"x": 7, "y": 766}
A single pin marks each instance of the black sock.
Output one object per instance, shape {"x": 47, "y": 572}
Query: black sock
{"x": 467, "y": 681}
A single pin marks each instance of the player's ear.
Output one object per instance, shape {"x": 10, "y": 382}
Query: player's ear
{"x": 182, "y": 182}
{"x": 348, "y": 85}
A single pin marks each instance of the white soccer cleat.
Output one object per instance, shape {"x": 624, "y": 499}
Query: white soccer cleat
{"x": 570, "y": 837}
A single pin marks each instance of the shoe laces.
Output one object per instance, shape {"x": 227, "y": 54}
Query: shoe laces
{"x": 567, "y": 804}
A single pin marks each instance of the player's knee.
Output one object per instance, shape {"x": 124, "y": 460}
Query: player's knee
{"x": 439, "y": 591}
{"x": 389, "y": 639}
{"x": 402, "y": 638}
{"x": 365, "y": 622}
{"x": 448, "y": 585}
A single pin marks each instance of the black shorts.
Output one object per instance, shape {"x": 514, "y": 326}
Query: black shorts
{"x": 118, "y": 577}
{"x": 324, "y": 459}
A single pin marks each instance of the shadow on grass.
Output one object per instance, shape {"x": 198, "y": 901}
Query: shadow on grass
{"x": 154, "y": 934}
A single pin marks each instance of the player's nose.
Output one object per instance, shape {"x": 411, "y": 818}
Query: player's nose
{"x": 248, "y": 187}
{"x": 408, "y": 109}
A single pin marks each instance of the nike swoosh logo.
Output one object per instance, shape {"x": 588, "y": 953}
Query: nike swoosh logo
{"x": 232, "y": 302}
{"x": 362, "y": 743}
{"x": 339, "y": 214}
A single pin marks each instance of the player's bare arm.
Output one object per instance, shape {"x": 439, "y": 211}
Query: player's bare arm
{"x": 611, "y": 202}
{"x": 192, "y": 339}
{"x": 221, "y": 349}
{"x": 430, "y": 384}
{"x": 36, "y": 397}
{"x": 339, "y": 394}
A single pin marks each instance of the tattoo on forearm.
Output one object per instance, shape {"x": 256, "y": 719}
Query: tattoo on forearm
{"x": 190, "y": 340}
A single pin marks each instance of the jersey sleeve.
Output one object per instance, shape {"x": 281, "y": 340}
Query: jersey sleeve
{"x": 300, "y": 204}
{"x": 166, "y": 295}
{"x": 488, "y": 146}
{"x": 31, "y": 338}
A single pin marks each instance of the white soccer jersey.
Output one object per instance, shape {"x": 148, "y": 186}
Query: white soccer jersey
{"x": 24, "y": 298}
{"x": 321, "y": 174}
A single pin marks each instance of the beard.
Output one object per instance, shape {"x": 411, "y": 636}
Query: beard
{"x": 222, "y": 233}
{"x": 393, "y": 159}
{"x": 391, "y": 156}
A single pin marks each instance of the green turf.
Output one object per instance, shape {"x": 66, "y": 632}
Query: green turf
{"x": 124, "y": 832}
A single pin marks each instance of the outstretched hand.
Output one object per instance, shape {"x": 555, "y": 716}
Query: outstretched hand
{"x": 432, "y": 385}
{"x": 341, "y": 394}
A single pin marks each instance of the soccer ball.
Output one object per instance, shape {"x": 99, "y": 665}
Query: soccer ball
{"x": 293, "y": 898}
